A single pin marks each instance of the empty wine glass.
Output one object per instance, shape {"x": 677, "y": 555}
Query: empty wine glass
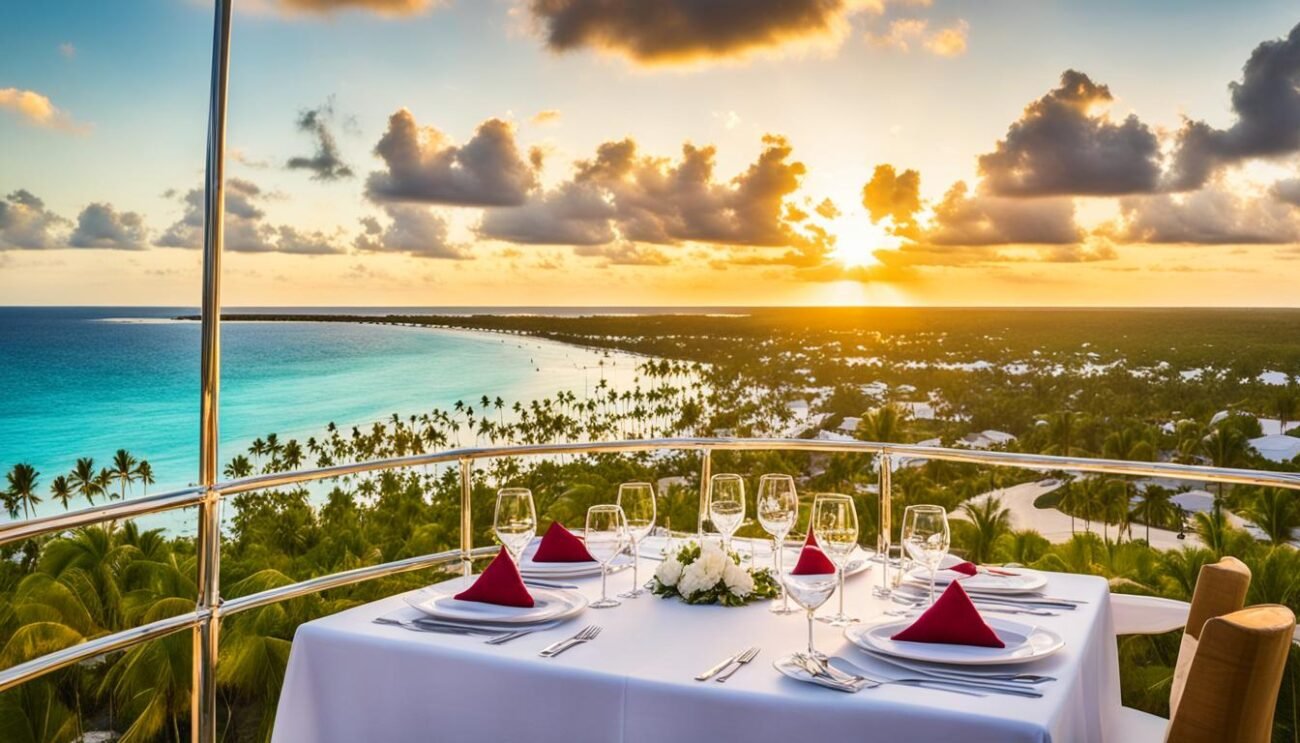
{"x": 926, "y": 537}
{"x": 605, "y": 536}
{"x": 515, "y": 520}
{"x": 726, "y": 506}
{"x": 637, "y": 499}
{"x": 835, "y": 522}
{"x": 810, "y": 592}
{"x": 778, "y": 507}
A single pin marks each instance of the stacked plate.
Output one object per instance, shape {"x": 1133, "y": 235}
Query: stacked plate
{"x": 554, "y": 570}
{"x": 1024, "y": 644}
{"x": 1010, "y": 580}
{"x": 550, "y": 605}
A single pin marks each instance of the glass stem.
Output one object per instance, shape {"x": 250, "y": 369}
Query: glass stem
{"x": 604, "y": 573}
{"x": 636, "y": 560}
{"x": 933, "y": 573}
{"x": 841, "y": 581}
{"x": 811, "y": 650}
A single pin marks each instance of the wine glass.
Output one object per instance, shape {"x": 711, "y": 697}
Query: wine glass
{"x": 726, "y": 506}
{"x": 637, "y": 499}
{"x": 835, "y": 521}
{"x": 515, "y": 520}
{"x": 926, "y": 537}
{"x": 810, "y": 592}
{"x": 778, "y": 508}
{"x": 605, "y": 536}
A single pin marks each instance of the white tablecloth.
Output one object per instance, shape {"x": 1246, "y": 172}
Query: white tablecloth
{"x": 351, "y": 680}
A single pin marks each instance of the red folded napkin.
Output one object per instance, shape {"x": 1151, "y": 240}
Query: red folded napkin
{"x": 965, "y": 568}
{"x": 500, "y": 584}
{"x": 953, "y": 620}
{"x": 812, "y": 561}
{"x": 560, "y": 545}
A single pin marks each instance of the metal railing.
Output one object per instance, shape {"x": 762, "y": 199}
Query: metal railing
{"x": 208, "y": 542}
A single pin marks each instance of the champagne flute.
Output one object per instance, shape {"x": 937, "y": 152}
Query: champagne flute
{"x": 810, "y": 592}
{"x": 778, "y": 507}
{"x": 637, "y": 499}
{"x": 605, "y": 536}
{"x": 515, "y": 520}
{"x": 726, "y": 506}
{"x": 835, "y": 521}
{"x": 926, "y": 537}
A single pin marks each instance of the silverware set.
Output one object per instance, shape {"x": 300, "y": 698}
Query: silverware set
{"x": 937, "y": 679}
{"x": 1024, "y": 602}
{"x": 587, "y": 634}
{"x": 738, "y": 660}
{"x": 921, "y": 602}
{"x": 495, "y": 636}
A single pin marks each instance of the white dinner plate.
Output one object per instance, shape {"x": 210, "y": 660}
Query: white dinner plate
{"x": 1024, "y": 580}
{"x": 530, "y": 569}
{"x": 1024, "y": 643}
{"x": 760, "y": 553}
{"x": 549, "y": 604}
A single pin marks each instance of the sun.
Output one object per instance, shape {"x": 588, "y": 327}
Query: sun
{"x": 857, "y": 239}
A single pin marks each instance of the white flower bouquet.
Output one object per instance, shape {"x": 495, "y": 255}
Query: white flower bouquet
{"x": 707, "y": 575}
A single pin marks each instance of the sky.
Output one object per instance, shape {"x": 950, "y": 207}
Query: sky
{"x": 678, "y": 152}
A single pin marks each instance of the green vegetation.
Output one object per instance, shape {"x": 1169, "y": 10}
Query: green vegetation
{"x": 1140, "y": 385}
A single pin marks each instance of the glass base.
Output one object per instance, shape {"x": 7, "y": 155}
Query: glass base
{"x": 780, "y": 607}
{"x": 838, "y": 620}
{"x": 881, "y": 593}
{"x": 605, "y": 604}
{"x": 633, "y": 593}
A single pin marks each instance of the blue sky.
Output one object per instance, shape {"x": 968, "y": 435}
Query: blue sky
{"x": 131, "y": 82}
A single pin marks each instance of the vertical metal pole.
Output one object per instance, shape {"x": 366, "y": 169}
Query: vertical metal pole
{"x": 203, "y": 701}
{"x": 466, "y": 515}
{"x": 886, "y": 506}
{"x": 706, "y": 474}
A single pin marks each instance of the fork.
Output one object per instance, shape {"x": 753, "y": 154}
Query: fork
{"x": 587, "y": 634}
{"x": 744, "y": 658}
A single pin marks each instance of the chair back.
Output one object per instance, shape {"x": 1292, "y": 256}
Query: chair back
{"x": 1234, "y": 678}
{"x": 1220, "y": 589}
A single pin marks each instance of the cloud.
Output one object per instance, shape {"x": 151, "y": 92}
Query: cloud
{"x": 1059, "y": 147}
{"x": 392, "y": 8}
{"x": 622, "y": 195}
{"x": 422, "y": 166}
{"x": 896, "y": 196}
{"x": 1211, "y": 216}
{"x": 1267, "y": 105}
{"x": 101, "y": 226}
{"x": 904, "y": 34}
{"x": 245, "y": 228}
{"x": 37, "y": 110}
{"x": 1287, "y": 191}
{"x": 624, "y": 254}
{"x": 68, "y": 50}
{"x": 547, "y": 116}
{"x": 413, "y": 230}
{"x": 678, "y": 31}
{"x": 25, "y": 223}
{"x": 325, "y": 164}
{"x": 961, "y": 218}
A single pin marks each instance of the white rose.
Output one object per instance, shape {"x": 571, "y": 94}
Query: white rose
{"x": 695, "y": 578}
{"x": 738, "y": 580}
{"x": 713, "y": 563}
{"x": 669, "y": 572}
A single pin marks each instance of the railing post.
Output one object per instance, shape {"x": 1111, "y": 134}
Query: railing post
{"x": 466, "y": 515}
{"x": 884, "y": 539}
{"x": 203, "y": 689}
{"x": 706, "y": 474}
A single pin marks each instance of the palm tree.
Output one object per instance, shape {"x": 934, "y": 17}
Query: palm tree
{"x": 884, "y": 424}
{"x": 61, "y": 490}
{"x": 1225, "y": 446}
{"x": 1063, "y": 433}
{"x": 1285, "y": 406}
{"x": 1274, "y": 511}
{"x": 22, "y": 488}
{"x": 1156, "y": 506}
{"x": 84, "y": 480}
{"x": 991, "y": 520}
{"x": 238, "y": 467}
{"x": 1135, "y": 445}
{"x": 124, "y": 466}
{"x": 144, "y": 473}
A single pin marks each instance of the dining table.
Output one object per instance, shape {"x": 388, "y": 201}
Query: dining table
{"x": 351, "y": 678}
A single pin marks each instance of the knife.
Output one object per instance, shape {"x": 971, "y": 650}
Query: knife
{"x": 717, "y": 669}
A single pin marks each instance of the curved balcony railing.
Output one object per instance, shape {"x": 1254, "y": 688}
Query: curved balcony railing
{"x": 206, "y": 618}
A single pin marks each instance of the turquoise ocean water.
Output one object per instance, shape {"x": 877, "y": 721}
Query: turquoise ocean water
{"x": 80, "y": 382}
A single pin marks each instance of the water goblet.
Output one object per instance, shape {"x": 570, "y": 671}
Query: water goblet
{"x": 810, "y": 592}
{"x": 605, "y": 536}
{"x": 726, "y": 506}
{"x": 778, "y": 508}
{"x": 637, "y": 499}
{"x": 835, "y": 522}
{"x": 927, "y": 538}
{"x": 515, "y": 520}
